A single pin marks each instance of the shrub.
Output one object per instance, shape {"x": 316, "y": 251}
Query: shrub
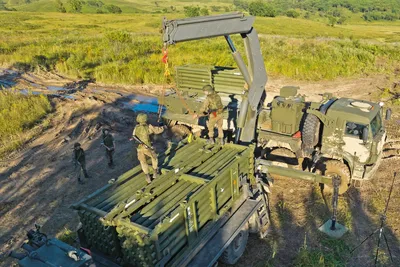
{"x": 291, "y": 13}
{"x": 215, "y": 8}
{"x": 204, "y": 11}
{"x": 75, "y": 5}
{"x": 95, "y": 3}
{"x": 191, "y": 11}
{"x": 60, "y": 7}
{"x": 113, "y": 9}
{"x": 261, "y": 9}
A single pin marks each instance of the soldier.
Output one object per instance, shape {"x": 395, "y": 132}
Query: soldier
{"x": 108, "y": 143}
{"x": 213, "y": 108}
{"x": 79, "y": 159}
{"x": 142, "y": 132}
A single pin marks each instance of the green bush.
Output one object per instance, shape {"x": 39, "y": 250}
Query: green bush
{"x": 291, "y": 13}
{"x": 95, "y": 3}
{"x": 261, "y": 9}
{"x": 204, "y": 11}
{"x": 192, "y": 11}
{"x": 215, "y": 8}
{"x": 75, "y": 5}
{"x": 60, "y": 6}
{"x": 113, "y": 9}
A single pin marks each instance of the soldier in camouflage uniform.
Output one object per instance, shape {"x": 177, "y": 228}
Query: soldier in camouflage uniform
{"x": 143, "y": 131}
{"x": 214, "y": 108}
{"x": 79, "y": 159}
{"x": 108, "y": 143}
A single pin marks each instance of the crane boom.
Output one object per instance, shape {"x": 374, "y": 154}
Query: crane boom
{"x": 253, "y": 72}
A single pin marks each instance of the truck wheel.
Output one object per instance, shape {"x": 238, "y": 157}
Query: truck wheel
{"x": 236, "y": 248}
{"x": 332, "y": 167}
{"x": 180, "y": 131}
{"x": 310, "y": 131}
{"x": 283, "y": 157}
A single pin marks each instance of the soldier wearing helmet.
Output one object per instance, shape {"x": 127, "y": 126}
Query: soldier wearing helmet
{"x": 213, "y": 108}
{"x": 109, "y": 144}
{"x": 145, "y": 149}
{"x": 79, "y": 159}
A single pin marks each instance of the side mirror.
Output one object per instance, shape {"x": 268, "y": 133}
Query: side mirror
{"x": 388, "y": 114}
{"x": 365, "y": 135}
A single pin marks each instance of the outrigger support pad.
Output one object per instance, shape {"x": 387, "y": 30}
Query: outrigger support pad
{"x": 331, "y": 227}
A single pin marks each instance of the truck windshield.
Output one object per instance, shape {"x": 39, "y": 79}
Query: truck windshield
{"x": 376, "y": 124}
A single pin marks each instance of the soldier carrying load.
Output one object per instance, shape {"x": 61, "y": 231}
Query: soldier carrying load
{"x": 142, "y": 133}
{"x": 213, "y": 108}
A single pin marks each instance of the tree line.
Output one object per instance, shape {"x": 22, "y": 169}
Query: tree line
{"x": 77, "y": 5}
{"x": 333, "y": 9}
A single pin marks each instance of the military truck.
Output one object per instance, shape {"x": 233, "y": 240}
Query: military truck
{"x": 209, "y": 197}
{"x": 198, "y": 211}
{"x": 342, "y": 136}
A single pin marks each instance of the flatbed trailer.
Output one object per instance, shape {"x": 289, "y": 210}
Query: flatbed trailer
{"x": 205, "y": 197}
{"x": 199, "y": 211}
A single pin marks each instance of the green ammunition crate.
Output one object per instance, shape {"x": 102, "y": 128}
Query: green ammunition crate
{"x": 155, "y": 225}
{"x": 192, "y": 78}
{"x": 228, "y": 81}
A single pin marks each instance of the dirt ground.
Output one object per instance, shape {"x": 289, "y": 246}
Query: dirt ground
{"x": 38, "y": 183}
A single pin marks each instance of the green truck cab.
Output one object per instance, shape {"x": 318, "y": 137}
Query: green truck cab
{"x": 347, "y": 134}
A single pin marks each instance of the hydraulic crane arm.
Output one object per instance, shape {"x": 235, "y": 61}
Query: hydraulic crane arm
{"x": 254, "y": 73}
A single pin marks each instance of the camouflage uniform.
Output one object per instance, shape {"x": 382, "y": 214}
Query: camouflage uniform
{"x": 108, "y": 142}
{"x": 213, "y": 106}
{"x": 79, "y": 159}
{"x": 143, "y": 132}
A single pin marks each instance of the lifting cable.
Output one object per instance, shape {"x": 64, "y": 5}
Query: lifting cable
{"x": 167, "y": 73}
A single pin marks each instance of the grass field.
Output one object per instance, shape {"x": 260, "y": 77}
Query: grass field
{"x": 126, "y": 49}
{"x": 128, "y": 6}
{"x": 19, "y": 113}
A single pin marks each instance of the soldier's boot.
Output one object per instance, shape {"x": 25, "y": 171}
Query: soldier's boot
{"x": 85, "y": 173}
{"x": 211, "y": 141}
{"x": 156, "y": 173}
{"x": 221, "y": 141}
{"x": 148, "y": 178}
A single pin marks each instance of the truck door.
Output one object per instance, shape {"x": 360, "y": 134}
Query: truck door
{"x": 353, "y": 142}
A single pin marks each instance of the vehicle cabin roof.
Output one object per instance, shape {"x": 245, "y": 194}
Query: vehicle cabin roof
{"x": 354, "y": 110}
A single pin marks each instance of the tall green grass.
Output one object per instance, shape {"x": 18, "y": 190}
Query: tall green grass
{"x": 127, "y": 49}
{"x": 17, "y": 114}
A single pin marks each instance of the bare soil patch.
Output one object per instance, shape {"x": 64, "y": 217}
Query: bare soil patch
{"x": 38, "y": 184}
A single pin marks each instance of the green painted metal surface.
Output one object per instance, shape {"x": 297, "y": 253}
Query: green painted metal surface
{"x": 158, "y": 223}
{"x": 55, "y": 253}
{"x": 192, "y": 78}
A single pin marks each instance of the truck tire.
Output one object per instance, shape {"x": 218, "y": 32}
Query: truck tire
{"x": 283, "y": 157}
{"x": 236, "y": 248}
{"x": 332, "y": 167}
{"x": 310, "y": 131}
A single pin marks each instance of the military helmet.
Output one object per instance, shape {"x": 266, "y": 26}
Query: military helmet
{"x": 208, "y": 88}
{"x": 141, "y": 118}
{"x": 77, "y": 145}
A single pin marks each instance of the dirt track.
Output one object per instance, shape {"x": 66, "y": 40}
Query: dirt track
{"x": 39, "y": 184}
